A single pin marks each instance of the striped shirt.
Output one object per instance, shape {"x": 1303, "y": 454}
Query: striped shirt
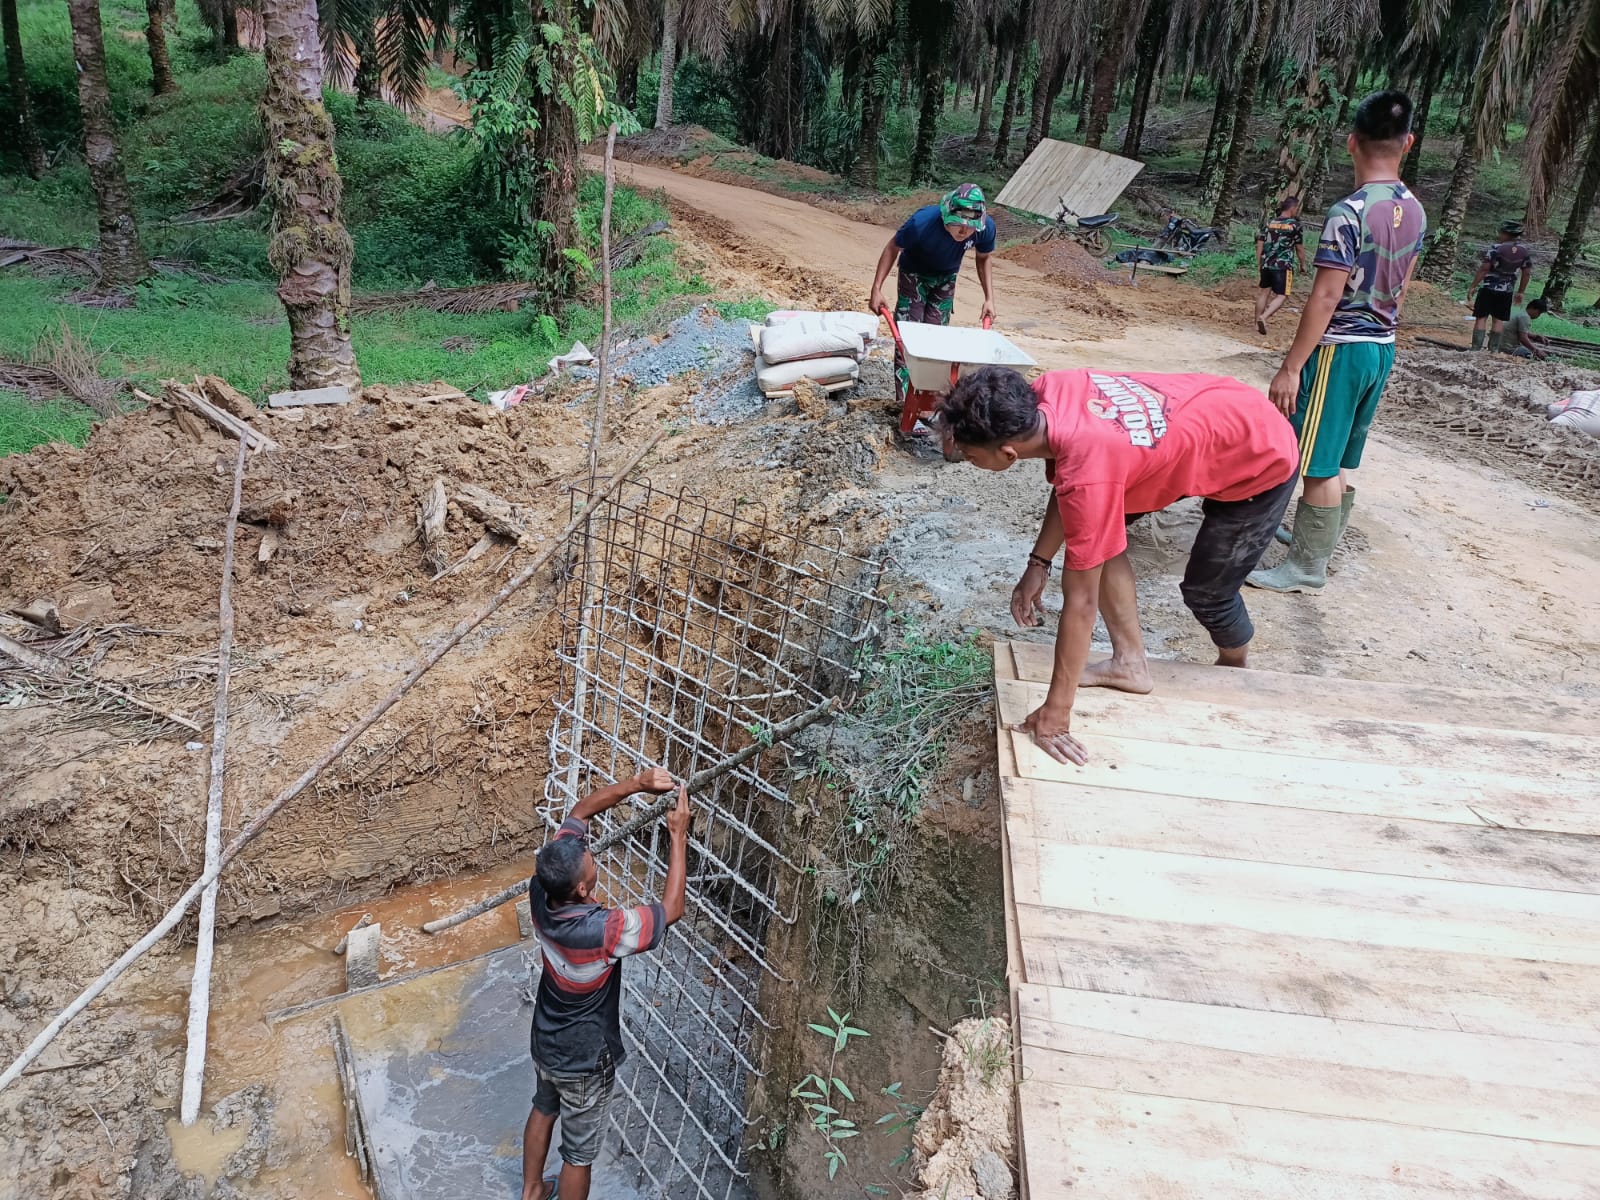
{"x": 577, "y": 1012}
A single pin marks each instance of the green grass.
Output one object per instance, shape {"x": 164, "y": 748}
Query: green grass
{"x": 26, "y": 423}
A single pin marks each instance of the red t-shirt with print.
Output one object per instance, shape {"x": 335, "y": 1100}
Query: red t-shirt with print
{"x": 1137, "y": 443}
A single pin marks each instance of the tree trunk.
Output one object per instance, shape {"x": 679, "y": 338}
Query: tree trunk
{"x": 1318, "y": 182}
{"x": 1419, "y": 121}
{"x": 855, "y": 66}
{"x": 864, "y": 170}
{"x": 1008, "y": 106}
{"x": 155, "y": 36}
{"x": 1152, "y": 35}
{"x": 1216, "y": 141}
{"x": 1249, "y": 75}
{"x": 986, "y": 101}
{"x": 1583, "y": 201}
{"x": 1438, "y": 263}
{"x": 1058, "y": 80}
{"x": 230, "y": 28}
{"x": 670, "y": 11}
{"x": 1108, "y": 57}
{"x": 628, "y": 84}
{"x": 122, "y": 258}
{"x": 1039, "y": 101}
{"x": 935, "y": 51}
{"x": 310, "y": 247}
{"x": 28, "y": 142}
{"x": 368, "y": 78}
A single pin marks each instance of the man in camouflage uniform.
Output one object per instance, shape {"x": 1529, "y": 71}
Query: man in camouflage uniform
{"x": 1493, "y": 286}
{"x": 930, "y": 247}
{"x": 1280, "y": 247}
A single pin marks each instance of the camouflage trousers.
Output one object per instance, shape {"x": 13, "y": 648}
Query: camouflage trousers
{"x": 925, "y": 298}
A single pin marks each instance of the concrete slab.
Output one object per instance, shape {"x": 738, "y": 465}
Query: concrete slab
{"x": 446, "y": 1083}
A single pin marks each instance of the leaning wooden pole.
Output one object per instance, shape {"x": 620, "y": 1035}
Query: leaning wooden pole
{"x": 249, "y": 833}
{"x": 699, "y": 780}
{"x": 602, "y": 391}
{"x": 194, "y": 1059}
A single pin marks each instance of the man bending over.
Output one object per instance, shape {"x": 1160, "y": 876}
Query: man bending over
{"x": 1117, "y": 447}
{"x": 577, "y": 1031}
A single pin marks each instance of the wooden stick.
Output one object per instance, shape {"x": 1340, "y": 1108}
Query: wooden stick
{"x": 194, "y": 1059}
{"x": 602, "y": 389}
{"x": 632, "y": 825}
{"x": 435, "y": 552}
{"x": 249, "y": 833}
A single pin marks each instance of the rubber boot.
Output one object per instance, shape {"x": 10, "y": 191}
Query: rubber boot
{"x": 1316, "y": 530}
{"x": 1477, "y": 338}
{"x": 1346, "y": 503}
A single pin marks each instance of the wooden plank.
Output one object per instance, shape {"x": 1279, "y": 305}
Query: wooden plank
{"x": 1358, "y": 906}
{"x": 1099, "y": 1145}
{"x": 1423, "y": 793}
{"x": 1304, "y": 837}
{"x": 1331, "y": 734}
{"x": 1311, "y": 974}
{"x": 1436, "y": 1079}
{"x": 1005, "y": 669}
{"x": 1277, "y": 690}
{"x": 1091, "y": 180}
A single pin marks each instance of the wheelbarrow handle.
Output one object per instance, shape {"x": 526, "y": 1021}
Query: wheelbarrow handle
{"x": 988, "y": 322}
{"x": 894, "y": 330}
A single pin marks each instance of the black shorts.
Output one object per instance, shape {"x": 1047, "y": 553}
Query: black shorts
{"x": 1490, "y": 303}
{"x": 1231, "y": 540}
{"x": 1277, "y": 279}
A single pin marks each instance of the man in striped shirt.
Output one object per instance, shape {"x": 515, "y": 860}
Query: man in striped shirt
{"x": 577, "y": 1031}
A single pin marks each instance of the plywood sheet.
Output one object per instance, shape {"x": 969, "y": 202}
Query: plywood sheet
{"x": 1087, "y": 181}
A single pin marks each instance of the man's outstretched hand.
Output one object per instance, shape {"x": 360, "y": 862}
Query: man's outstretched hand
{"x": 1026, "y": 610}
{"x": 656, "y": 780}
{"x": 678, "y": 816}
{"x": 1051, "y": 734}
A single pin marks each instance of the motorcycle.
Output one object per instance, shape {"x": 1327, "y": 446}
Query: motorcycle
{"x": 1088, "y": 232}
{"x": 1180, "y": 233}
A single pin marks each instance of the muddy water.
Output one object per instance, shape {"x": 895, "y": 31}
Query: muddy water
{"x": 290, "y": 1141}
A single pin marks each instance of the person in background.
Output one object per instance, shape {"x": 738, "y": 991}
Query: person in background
{"x": 1492, "y": 287}
{"x": 1280, "y": 247}
{"x": 930, "y": 247}
{"x": 576, "y": 1038}
{"x": 1333, "y": 375}
{"x": 1517, "y": 338}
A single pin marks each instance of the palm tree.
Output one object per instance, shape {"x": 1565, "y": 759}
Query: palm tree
{"x": 122, "y": 258}
{"x": 1247, "y": 75}
{"x": 28, "y": 142}
{"x": 1568, "y": 100}
{"x": 1516, "y": 31}
{"x": 1147, "y": 50}
{"x": 1019, "y": 57}
{"x": 222, "y": 18}
{"x": 310, "y": 247}
{"x": 1117, "y": 17}
{"x": 937, "y": 19}
{"x": 155, "y": 35}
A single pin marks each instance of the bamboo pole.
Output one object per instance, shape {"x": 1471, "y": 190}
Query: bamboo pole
{"x": 638, "y": 821}
{"x": 194, "y": 1060}
{"x": 602, "y": 391}
{"x": 249, "y": 833}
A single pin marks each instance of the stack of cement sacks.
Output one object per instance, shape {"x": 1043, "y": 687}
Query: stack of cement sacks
{"x": 824, "y": 347}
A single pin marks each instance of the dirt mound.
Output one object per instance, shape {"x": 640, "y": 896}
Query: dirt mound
{"x": 1080, "y": 273}
{"x": 963, "y": 1142}
{"x": 1432, "y": 306}
{"x": 1494, "y": 406}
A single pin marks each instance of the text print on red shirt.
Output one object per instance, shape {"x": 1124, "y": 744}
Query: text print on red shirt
{"x": 1130, "y": 404}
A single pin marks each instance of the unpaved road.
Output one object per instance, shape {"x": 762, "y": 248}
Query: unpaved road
{"x": 1455, "y": 573}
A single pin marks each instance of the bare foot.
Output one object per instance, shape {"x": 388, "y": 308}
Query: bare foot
{"x": 1237, "y": 657}
{"x": 1131, "y": 676}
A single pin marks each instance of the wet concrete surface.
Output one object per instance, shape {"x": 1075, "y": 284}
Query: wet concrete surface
{"x": 446, "y": 1083}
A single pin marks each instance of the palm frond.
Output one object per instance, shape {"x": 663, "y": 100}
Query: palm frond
{"x": 339, "y": 26}
{"x": 405, "y": 42}
{"x": 704, "y": 27}
{"x": 1567, "y": 98}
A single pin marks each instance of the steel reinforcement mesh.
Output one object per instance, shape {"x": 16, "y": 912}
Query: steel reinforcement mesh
{"x": 688, "y": 631}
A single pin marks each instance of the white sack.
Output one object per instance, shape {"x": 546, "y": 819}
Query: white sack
{"x": 780, "y": 377}
{"x": 865, "y": 324}
{"x": 806, "y": 339}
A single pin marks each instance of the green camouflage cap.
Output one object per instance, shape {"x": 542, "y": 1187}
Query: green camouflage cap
{"x": 1513, "y": 228}
{"x": 964, "y": 206}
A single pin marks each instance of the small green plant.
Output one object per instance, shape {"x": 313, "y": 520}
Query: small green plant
{"x": 902, "y": 1117}
{"x": 761, "y": 733}
{"x": 818, "y": 1091}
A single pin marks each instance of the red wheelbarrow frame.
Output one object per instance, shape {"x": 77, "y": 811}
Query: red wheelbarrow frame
{"x": 916, "y": 402}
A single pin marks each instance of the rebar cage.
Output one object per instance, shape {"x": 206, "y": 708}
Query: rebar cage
{"x": 689, "y": 631}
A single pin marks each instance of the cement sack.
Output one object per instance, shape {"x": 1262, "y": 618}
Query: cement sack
{"x": 866, "y": 324}
{"x": 1580, "y": 411}
{"x": 780, "y": 377}
{"x": 809, "y": 339}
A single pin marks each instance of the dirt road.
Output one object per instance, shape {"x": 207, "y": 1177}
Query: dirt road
{"x": 1454, "y": 573}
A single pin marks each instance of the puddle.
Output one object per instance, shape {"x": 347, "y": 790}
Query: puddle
{"x": 203, "y": 1148}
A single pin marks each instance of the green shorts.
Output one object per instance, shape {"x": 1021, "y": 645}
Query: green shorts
{"x": 1339, "y": 391}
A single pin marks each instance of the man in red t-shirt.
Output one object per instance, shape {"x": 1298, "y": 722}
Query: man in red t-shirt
{"x": 1117, "y": 447}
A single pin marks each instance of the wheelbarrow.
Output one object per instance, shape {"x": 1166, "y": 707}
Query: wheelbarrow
{"x": 935, "y": 356}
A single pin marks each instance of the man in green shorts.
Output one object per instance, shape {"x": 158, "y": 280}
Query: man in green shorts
{"x": 1279, "y": 249}
{"x": 1333, "y": 375}
{"x": 930, "y": 247}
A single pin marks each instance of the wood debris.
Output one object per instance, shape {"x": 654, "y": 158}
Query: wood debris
{"x": 180, "y": 397}
{"x": 430, "y": 525}
{"x": 497, "y": 514}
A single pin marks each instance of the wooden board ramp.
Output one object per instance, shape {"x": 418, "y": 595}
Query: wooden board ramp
{"x": 1297, "y": 936}
{"x": 1089, "y": 180}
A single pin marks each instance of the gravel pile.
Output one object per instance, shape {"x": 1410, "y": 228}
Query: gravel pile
{"x": 698, "y": 341}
